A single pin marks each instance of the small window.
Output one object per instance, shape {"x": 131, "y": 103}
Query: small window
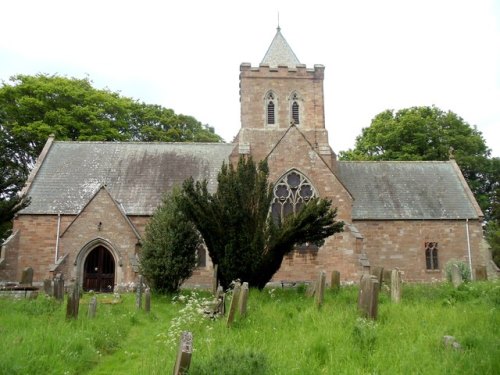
{"x": 270, "y": 113}
{"x": 431, "y": 255}
{"x": 270, "y": 108}
{"x": 295, "y": 113}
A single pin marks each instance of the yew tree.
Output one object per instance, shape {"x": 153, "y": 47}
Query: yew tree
{"x": 241, "y": 236}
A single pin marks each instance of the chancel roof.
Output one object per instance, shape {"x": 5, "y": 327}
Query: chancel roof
{"x": 135, "y": 174}
{"x": 407, "y": 190}
{"x": 280, "y": 53}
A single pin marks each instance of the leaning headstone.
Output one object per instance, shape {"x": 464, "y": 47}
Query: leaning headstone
{"x": 456, "y": 276}
{"x": 183, "y": 360}
{"x": 320, "y": 295}
{"x": 378, "y": 272}
{"x": 242, "y": 304}
{"x": 138, "y": 294}
{"x": 234, "y": 304}
{"x": 73, "y": 303}
{"x": 147, "y": 300}
{"x": 27, "y": 277}
{"x": 47, "y": 287}
{"x": 396, "y": 286}
{"x": 92, "y": 307}
{"x": 481, "y": 274}
{"x": 368, "y": 296}
{"x": 59, "y": 287}
{"x": 387, "y": 277}
{"x": 335, "y": 282}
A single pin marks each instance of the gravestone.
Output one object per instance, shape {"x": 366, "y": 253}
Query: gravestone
{"x": 335, "y": 282}
{"x": 59, "y": 287}
{"x": 215, "y": 281}
{"x": 311, "y": 289}
{"x": 27, "y": 277}
{"x": 368, "y": 296}
{"x": 481, "y": 273}
{"x": 456, "y": 276}
{"x": 184, "y": 354}
{"x": 220, "y": 299}
{"x": 320, "y": 294}
{"x": 73, "y": 303}
{"x": 138, "y": 294}
{"x": 396, "y": 286}
{"x": 234, "y": 303}
{"x": 147, "y": 300}
{"x": 242, "y": 305}
{"x": 387, "y": 277}
{"x": 378, "y": 272}
{"x": 92, "y": 307}
{"x": 47, "y": 287}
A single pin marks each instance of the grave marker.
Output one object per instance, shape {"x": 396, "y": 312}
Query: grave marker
{"x": 320, "y": 295}
{"x": 59, "y": 287}
{"x": 456, "y": 275}
{"x": 481, "y": 274}
{"x": 215, "y": 281}
{"x": 73, "y": 303}
{"x": 368, "y": 296}
{"x": 138, "y": 295}
{"x": 147, "y": 300}
{"x": 27, "y": 277}
{"x": 92, "y": 307}
{"x": 47, "y": 287}
{"x": 242, "y": 306}
{"x": 184, "y": 354}
{"x": 234, "y": 303}
{"x": 378, "y": 272}
{"x": 335, "y": 282}
{"x": 396, "y": 286}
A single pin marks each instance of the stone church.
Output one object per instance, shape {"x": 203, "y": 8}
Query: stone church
{"x": 90, "y": 201}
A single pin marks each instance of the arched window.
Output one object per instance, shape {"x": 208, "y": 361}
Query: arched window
{"x": 270, "y": 108}
{"x": 431, "y": 255}
{"x": 295, "y": 109}
{"x": 291, "y": 193}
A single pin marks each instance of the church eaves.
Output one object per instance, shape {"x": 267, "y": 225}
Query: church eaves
{"x": 280, "y": 53}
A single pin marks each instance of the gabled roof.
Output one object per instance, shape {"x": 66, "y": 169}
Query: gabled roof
{"x": 394, "y": 190}
{"x": 280, "y": 53}
{"x": 135, "y": 174}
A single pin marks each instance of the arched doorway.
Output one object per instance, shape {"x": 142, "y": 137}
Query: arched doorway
{"x": 99, "y": 271}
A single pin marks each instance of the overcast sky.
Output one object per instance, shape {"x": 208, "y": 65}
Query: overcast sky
{"x": 185, "y": 55}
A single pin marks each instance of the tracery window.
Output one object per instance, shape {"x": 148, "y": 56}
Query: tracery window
{"x": 270, "y": 108}
{"x": 431, "y": 255}
{"x": 291, "y": 193}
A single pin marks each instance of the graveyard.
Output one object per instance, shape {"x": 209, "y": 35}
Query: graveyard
{"x": 381, "y": 326}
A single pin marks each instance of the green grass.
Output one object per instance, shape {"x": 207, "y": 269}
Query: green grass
{"x": 283, "y": 333}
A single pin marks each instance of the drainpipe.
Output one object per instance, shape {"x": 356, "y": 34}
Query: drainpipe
{"x": 468, "y": 246}
{"x": 57, "y": 239}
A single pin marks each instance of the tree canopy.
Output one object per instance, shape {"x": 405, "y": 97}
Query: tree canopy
{"x": 240, "y": 234}
{"x": 33, "y": 107}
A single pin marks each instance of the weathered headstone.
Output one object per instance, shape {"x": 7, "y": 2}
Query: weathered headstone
{"x": 368, "y": 296}
{"x": 311, "y": 289}
{"x": 335, "y": 282}
{"x": 396, "y": 286}
{"x": 92, "y": 307}
{"x": 215, "y": 280}
{"x": 320, "y": 295}
{"x": 456, "y": 276}
{"x": 220, "y": 299}
{"x": 47, "y": 287}
{"x": 387, "y": 277}
{"x": 138, "y": 294}
{"x": 242, "y": 305}
{"x": 59, "y": 287}
{"x": 73, "y": 303}
{"x": 27, "y": 277}
{"x": 147, "y": 300}
{"x": 183, "y": 360}
{"x": 234, "y": 304}
{"x": 481, "y": 273}
{"x": 378, "y": 272}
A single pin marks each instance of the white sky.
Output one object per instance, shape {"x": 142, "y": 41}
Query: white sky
{"x": 186, "y": 54}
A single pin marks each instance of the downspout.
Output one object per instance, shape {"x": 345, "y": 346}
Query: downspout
{"x": 57, "y": 239}
{"x": 468, "y": 247}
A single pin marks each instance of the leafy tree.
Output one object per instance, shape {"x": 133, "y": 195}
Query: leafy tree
{"x": 33, "y": 107}
{"x": 169, "y": 248}
{"x": 428, "y": 133}
{"x": 493, "y": 228}
{"x": 241, "y": 237}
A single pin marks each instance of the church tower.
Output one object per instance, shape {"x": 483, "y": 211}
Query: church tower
{"x": 280, "y": 93}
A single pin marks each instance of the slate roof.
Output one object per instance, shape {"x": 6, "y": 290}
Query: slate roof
{"x": 406, "y": 190}
{"x": 135, "y": 174}
{"x": 280, "y": 53}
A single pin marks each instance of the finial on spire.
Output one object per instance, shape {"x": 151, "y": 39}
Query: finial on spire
{"x": 278, "y": 28}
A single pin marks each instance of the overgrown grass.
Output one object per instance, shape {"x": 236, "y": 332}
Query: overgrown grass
{"x": 283, "y": 333}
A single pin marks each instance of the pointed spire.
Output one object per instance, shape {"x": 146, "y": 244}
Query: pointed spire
{"x": 279, "y": 52}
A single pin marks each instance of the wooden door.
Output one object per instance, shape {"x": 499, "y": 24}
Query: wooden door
{"x": 99, "y": 271}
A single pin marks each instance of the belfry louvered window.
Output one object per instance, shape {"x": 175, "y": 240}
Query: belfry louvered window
{"x": 270, "y": 108}
{"x": 431, "y": 256}
{"x": 295, "y": 108}
{"x": 291, "y": 193}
